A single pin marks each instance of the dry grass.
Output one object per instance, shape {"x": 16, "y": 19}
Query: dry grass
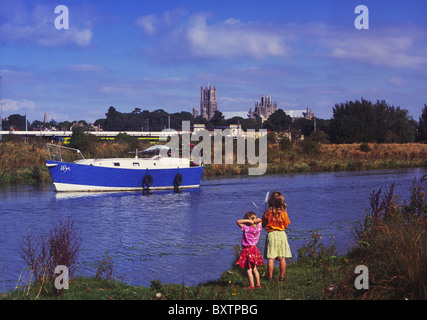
{"x": 25, "y": 162}
{"x": 332, "y": 157}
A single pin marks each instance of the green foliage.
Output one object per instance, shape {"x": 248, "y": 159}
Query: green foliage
{"x": 310, "y": 146}
{"x": 422, "y": 126}
{"x": 314, "y": 251}
{"x": 105, "y": 267}
{"x": 278, "y": 121}
{"x": 392, "y": 244}
{"x": 123, "y": 137}
{"x": 286, "y": 144}
{"x": 363, "y": 121}
{"x": 17, "y": 121}
{"x": 137, "y": 120}
{"x": 81, "y": 140}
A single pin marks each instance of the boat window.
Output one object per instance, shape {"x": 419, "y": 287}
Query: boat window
{"x": 136, "y": 164}
{"x": 117, "y": 164}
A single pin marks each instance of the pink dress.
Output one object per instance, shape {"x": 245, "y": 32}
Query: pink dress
{"x": 250, "y": 253}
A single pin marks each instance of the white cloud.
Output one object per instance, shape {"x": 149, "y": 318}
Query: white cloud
{"x": 147, "y": 23}
{"x": 191, "y": 35}
{"x": 177, "y": 35}
{"x": 87, "y": 68}
{"x": 398, "y": 47}
{"x": 15, "y": 106}
{"x": 37, "y": 26}
{"x": 396, "y": 81}
{"x": 232, "y": 38}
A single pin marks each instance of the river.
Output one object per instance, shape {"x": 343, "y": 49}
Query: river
{"x": 187, "y": 236}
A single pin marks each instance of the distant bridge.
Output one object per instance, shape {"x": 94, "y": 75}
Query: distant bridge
{"x": 95, "y": 133}
{"x": 111, "y": 134}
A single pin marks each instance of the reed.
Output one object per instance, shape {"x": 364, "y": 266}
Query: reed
{"x": 22, "y": 162}
{"x": 392, "y": 243}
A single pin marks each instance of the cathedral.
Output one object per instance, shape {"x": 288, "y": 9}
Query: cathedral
{"x": 263, "y": 109}
{"x": 208, "y": 102}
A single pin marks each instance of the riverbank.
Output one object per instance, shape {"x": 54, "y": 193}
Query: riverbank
{"x": 303, "y": 282}
{"x": 390, "y": 247}
{"x": 25, "y": 162}
{"x": 316, "y": 157}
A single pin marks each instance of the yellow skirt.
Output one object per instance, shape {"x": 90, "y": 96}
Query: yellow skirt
{"x": 276, "y": 245}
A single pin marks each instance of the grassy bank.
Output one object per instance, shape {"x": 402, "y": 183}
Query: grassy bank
{"x": 25, "y": 162}
{"x": 315, "y": 157}
{"x": 303, "y": 282}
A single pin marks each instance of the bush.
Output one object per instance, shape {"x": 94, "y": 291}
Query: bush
{"x": 43, "y": 253}
{"x": 82, "y": 140}
{"x": 314, "y": 250}
{"x": 364, "y": 147}
{"x": 310, "y": 147}
{"x": 392, "y": 244}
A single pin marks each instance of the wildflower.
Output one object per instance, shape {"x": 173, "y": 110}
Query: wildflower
{"x": 159, "y": 295}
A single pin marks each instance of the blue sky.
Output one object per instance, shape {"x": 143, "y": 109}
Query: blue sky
{"x": 157, "y": 54}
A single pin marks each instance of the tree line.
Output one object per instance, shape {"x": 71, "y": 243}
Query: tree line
{"x": 359, "y": 121}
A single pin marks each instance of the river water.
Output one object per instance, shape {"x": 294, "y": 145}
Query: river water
{"x": 187, "y": 236}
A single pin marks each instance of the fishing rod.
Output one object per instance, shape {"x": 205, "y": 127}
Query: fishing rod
{"x": 265, "y": 203}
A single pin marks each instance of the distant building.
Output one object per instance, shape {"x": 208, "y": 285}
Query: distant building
{"x": 208, "y": 102}
{"x": 232, "y": 114}
{"x": 263, "y": 109}
{"x": 300, "y": 114}
{"x": 195, "y": 112}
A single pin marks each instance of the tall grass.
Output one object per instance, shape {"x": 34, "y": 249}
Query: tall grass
{"x": 25, "y": 162}
{"x": 393, "y": 245}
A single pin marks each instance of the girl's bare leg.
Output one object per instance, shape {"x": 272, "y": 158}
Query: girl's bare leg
{"x": 270, "y": 267}
{"x": 282, "y": 262}
{"x": 257, "y": 279}
{"x": 250, "y": 277}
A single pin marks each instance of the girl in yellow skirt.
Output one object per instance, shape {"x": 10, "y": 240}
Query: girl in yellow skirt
{"x": 275, "y": 220}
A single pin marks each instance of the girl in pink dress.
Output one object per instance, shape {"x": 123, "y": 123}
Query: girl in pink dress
{"x": 250, "y": 256}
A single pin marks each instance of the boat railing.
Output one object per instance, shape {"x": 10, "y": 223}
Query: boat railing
{"x": 54, "y": 151}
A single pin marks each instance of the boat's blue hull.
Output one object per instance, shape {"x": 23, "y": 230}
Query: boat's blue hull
{"x": 68, "y": 176}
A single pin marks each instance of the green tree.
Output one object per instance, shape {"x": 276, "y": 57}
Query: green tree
{"x": 64, "y": 125}
{"x": 422, "y": 126}
{"x": 114, "y": 120}
{"x": 278, "y": 121}
{"x": 81, "y": 140}
{"x": 363, "y": 121}
{"x": 17, "y": 121}
{"x": 217, "y": 119}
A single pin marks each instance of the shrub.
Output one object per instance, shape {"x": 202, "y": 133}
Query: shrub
{"x": 365, "y": 147}
{"x": 392, "y": 244}
{"x": 82, "y": 140}
{"x": 310, "y": 147}
{"x": 314, "y": 250}
{"x": 43, "y": 253}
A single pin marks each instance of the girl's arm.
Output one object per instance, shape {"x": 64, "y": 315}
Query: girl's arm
{"x": 241, "y": 222}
